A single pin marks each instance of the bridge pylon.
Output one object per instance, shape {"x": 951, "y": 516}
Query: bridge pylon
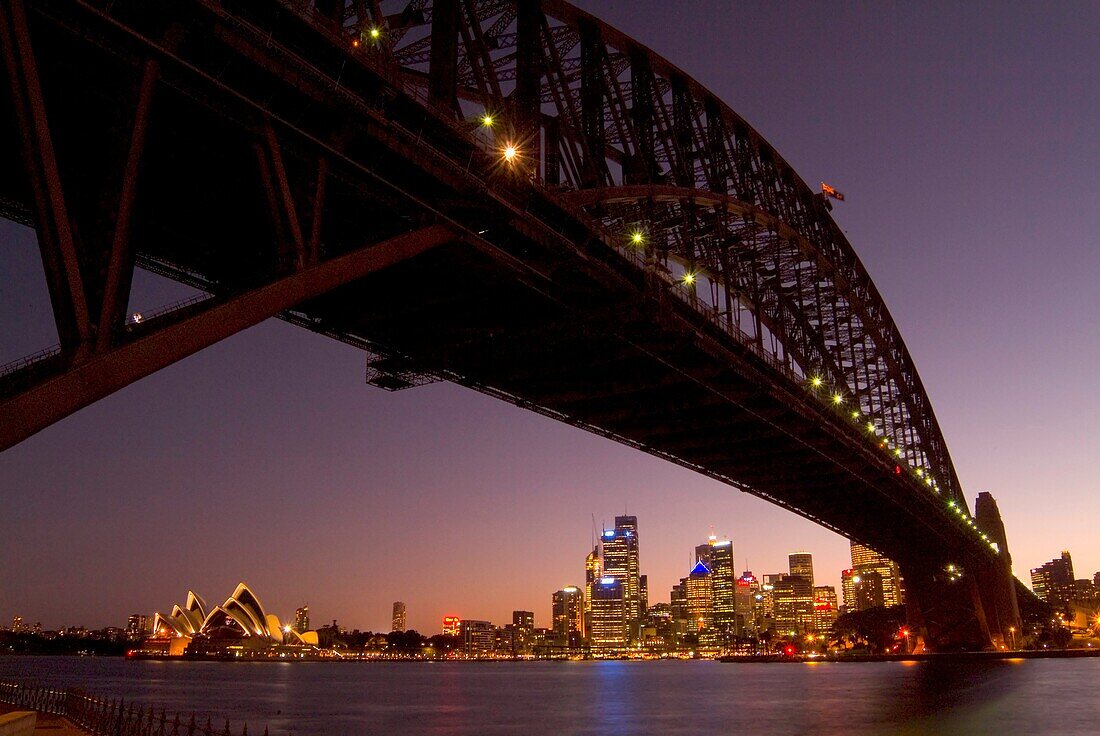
{"x": 967, "y": 604}
{"x": 944, "y": 609}
{"x": 995, "y": 582}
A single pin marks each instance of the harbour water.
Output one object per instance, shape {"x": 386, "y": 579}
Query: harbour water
{"x": 668, "y": 697}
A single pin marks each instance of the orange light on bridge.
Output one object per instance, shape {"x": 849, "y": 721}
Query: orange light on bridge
{"x": 510, "y": 152}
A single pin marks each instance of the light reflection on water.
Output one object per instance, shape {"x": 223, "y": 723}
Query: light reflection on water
{"x": 459, "y": 698}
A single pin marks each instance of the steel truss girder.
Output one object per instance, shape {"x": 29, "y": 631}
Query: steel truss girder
{"x": 58, "y": 396}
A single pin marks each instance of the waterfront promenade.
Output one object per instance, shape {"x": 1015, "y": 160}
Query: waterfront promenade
{"x": 47, "y": 723}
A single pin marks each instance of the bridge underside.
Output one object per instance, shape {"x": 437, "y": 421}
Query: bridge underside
{"x": 183, "y": 145}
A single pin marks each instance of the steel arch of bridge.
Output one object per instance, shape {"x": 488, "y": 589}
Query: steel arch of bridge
{"x": 643, "y": 147}
{"x": 607, "y": 131}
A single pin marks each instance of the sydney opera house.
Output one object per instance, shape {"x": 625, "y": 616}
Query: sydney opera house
{"x": 238, "y": 627}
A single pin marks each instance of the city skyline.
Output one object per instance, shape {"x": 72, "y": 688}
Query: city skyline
{"x": 334, "y": 479}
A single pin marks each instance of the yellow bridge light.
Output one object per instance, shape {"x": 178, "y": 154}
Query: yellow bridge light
{"x": 855, "y": 414}
{"x": 689, "y": 278}
{"x": 637, "y": 237}
{"x": 375, "y": 33}
{"x": 870, "y": 426}
{"x": 838, "y": 399}
{"x": 816, "y": 382}
{"x": 487, "y": 120}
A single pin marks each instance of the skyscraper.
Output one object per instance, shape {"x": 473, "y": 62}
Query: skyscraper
{"x": 398, "y": 621}
{"x": 609, "y": 615}
{"x": 678, "y": 607}
{"x": 591, "y": 576}
{"x": 301, "y": 619}
{"x": 745, "y": 604}
{"x": 523, "y": 620}
{"x": 825, "y": 608}
{"x": 703, "y": 551}
{"x": 1053, "y": 581}
{"x": 620, "y": 561}
{"x": 862, "y": 590}
{"x": 865, "y": 560}
{"x": 723, "y": 585}
{"x": 793, "y": 604}
{"x": 848, "y": 590}
{"x": 700, "y": 597}
{"x": 568, "y": 612}
{"x": 801, "y": 564}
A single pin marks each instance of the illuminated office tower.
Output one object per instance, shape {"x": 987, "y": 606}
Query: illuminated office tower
{"x": 643, "y": 594}
{"x": 825, "y": 608}
{"x": 865, "y": 560}
{"x": 793, "y": 604}
{"x": 767, "y": 600}
{"x": 301, "y": 619}
{"x": 723, "y": 586}
{"x": 398, "y": 621}
{"x": 678, "y": 608}
{"x": 801, "y": 564}
{"x": 862, "y": 590}
{"x": 478, "y": 638}
{"x": 568, "y": 611}
{"x": 848, "y": 590}
{"x": 523, "y": 620}
{"x": 745, "y": 604}
{"x": 1053, "y": 581}
{"x": 703, "y": 552}
{"x": 609, "y": 622}
{"x": 620, "y": 561}
{"x": 699, "y": 592}
{"x": 138, "y": 625}
{"x": 591, "y": 576}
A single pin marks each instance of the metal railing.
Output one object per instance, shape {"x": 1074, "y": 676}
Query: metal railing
{"x": 29, "y": 360}
{"x": 108, "y": 717}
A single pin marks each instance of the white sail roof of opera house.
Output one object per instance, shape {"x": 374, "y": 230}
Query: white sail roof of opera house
{"x": 242, "y": 609}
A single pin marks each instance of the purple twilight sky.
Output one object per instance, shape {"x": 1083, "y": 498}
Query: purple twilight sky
{"x": 965, "y": 138}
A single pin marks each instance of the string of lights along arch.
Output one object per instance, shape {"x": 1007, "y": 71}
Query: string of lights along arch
{"x": 510, "y": 195}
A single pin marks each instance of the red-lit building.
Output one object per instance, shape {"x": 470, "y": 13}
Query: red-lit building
{"x": 452, "y": 625}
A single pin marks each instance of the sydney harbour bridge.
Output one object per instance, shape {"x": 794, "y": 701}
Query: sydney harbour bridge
{"x": 507, "y": 194}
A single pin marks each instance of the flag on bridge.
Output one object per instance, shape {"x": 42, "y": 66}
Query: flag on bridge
{"x": 828, "y": 191}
